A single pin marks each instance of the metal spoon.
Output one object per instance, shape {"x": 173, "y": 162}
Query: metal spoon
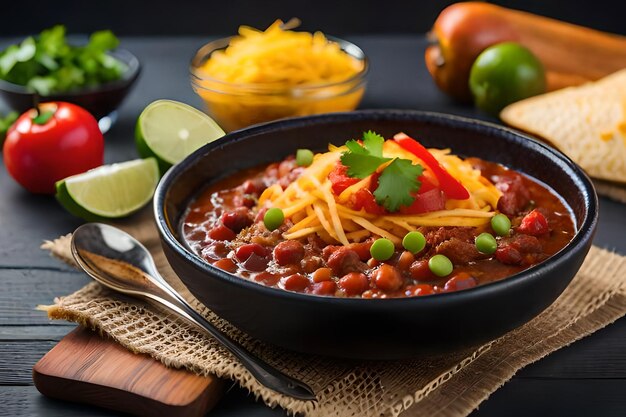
{"x": 118, "y": 261}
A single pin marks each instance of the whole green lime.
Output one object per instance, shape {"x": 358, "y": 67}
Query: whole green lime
{"x": 503, "y": 74}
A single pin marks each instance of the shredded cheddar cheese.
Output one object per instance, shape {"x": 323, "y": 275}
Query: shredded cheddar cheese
{"x": 313, "y": 208}
{"x": 278, "y": 56}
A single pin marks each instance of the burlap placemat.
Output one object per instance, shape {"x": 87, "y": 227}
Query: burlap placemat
{"x": 448, "y": 385}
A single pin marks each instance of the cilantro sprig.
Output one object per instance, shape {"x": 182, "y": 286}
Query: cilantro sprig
{"x": 363, "y": 161}
{"x": 48, "y": 64}
{"x": 397, "y": 181}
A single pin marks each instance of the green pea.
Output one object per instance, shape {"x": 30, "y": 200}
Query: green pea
{"x": 382, "y": 249}
{"x": 486, "y": 243}
{"x": 414, "y": 242}
{"x": 440, "y": 265}
{"x": 273, "y": 218}
{"x": 304, "y": 157}
{"x": 501, "y": 224}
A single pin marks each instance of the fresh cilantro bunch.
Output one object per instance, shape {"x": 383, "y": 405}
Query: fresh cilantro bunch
{"x": 397, "y": 181}
{"x": 48, "y": 64}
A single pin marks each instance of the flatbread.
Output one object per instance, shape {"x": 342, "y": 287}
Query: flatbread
{"x": 587, "y": 123}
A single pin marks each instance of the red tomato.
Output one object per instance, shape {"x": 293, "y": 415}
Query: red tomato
{"x": 38, "y": 153}
{"x": 340, "y": 180}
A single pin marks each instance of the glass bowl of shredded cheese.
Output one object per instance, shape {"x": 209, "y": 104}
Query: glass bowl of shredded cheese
{"x": 258, "y": 76}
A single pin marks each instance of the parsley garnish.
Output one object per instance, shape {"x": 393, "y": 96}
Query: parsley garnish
{"x": 397, "y": 181}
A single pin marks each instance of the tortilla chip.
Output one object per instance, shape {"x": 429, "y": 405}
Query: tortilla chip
{"x": 587, "y": 123}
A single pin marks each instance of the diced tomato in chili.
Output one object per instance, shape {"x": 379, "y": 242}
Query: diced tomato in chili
{"x": 424, "y": 202}
{"x": 340, "y": 180}
{"x": 534, "y": 224}
{"x": 449, "y": 185}
{"x": 364, "y": 199}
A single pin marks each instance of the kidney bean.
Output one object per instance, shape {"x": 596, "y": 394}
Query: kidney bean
{"x": 237, "y": 219}
{"x": 419, "y": 289}
{"x": 508, "y": 255}
{"x": 221, "y": 232}
{"x": 243, "y": 252}
{"x": 405, "y": 261}
{"x": 324, "y": 288}
{"x": 311, "y": 263}
{"x": 372, "y": 263}
{"x": 353, "y": 283}
{"x": 253, "y": 186}
{"x": 368, "y": 294}
{"x": 387, "y": 278}
{"x": 255, "y": 263}
{"x": 322, "y": 274}
{"x": 526, "y": 243}
{"x": 244, "y": 200}
{"x": 362, "y": 249}
{"x": 515, "y": 194}
{"x": 261, "y": 214}
{"x": 328, "y": 250}
{"x": 288, "y": 252}
{"x": 344, "y": 260}
{"x": 421, "y": 271}
{"x": 272, "y": 170}
{"x": 460, "y": 281}
{"x": 226, "y": 264}
{"x": 295, "y": 282}
{"x": 286, "y": 166}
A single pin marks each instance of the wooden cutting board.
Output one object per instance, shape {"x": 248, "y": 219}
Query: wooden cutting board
{"x": 87, "y": 368}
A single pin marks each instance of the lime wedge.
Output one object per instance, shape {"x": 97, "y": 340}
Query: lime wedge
{"x": 109, "y": 191}
{"x": 169, "y": 131}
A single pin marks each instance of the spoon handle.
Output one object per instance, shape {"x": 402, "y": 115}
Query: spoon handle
{"x": 263, "y": 372}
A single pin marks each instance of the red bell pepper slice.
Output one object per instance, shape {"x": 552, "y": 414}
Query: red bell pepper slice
{"x": 448, "y": 184}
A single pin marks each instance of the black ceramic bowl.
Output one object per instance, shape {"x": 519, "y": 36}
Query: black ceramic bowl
{"x": 375, "y": 328}
{"x": 99, "y": 101}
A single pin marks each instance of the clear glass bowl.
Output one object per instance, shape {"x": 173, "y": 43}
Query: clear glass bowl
{"x": 235, "y": 106}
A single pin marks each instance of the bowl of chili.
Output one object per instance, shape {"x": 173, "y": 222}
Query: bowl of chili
{"x": 379, "y": 320}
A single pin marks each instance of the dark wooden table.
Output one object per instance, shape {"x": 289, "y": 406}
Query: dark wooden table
{"x": 587, "y": 378}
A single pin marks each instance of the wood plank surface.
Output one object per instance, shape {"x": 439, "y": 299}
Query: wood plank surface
{"x": 599, "y": 357}
{"x": 24, "y": 289}
{"x": 518, "y": 398}
{"x": 87, "y": 368}
{"x": 35, "y": 333}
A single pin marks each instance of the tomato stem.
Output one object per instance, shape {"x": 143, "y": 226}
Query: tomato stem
{"x": 41, "y": 117}
{"x": 36, "y": 104}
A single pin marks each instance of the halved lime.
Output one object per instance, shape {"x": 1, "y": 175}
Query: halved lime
{"x": 109, "y": 191}
{"x": 169, "y": 131}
